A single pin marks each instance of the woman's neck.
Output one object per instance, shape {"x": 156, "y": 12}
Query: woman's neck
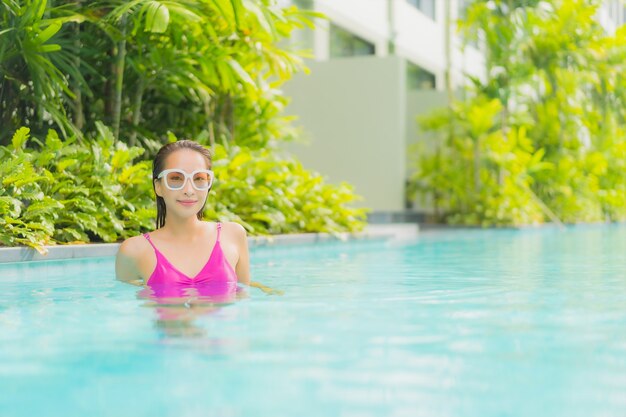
{"x": 187, "y": 228}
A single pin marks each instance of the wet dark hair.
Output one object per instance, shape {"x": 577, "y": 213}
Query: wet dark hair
{"x": 158, "y": 165}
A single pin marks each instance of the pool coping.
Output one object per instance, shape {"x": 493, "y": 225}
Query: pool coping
{"x": 393, "y": 231}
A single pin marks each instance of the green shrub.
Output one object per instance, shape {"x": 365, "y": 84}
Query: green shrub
{"x": 273, "y": 194}
{"x": 66, "y": 192}
{"x": 539, "y": 138}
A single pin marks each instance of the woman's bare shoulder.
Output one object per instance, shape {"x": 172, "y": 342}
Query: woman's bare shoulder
{"x": 235, "y": 233}
{"x": 133, "y": 247}
{"x": 234, "y": 229}
{"x": 129, "y": 259}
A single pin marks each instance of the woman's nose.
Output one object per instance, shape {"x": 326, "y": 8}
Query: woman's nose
{"x": 188, "y": 188}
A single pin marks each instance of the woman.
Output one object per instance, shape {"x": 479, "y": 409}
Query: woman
{"x": 185, "y": 258}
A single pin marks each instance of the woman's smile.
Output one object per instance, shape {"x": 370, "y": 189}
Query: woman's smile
{"x": 187, "y": 203}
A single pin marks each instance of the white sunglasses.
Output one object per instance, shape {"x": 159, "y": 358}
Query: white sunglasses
{"x": 175, "y": 179}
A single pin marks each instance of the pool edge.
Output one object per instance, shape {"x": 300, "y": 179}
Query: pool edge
{"x": 394, "y": 231}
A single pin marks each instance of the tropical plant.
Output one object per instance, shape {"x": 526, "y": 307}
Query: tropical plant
{"x": 34, "y": 68}
{"x": 149, "y": 70}
{"x": 62, "y": 192}
{"x": 549, "y": 110}
{"x": 66, "y": 192}
{"x": 198, "y": 68}
{"x": 274, "y": 194}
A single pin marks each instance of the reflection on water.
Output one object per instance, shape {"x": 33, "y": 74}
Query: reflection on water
{"x": 177, "y": 308}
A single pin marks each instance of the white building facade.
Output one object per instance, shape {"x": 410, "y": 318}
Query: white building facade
{"x": 415, "y": 28}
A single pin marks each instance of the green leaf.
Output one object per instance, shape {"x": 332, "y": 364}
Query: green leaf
{"x": 238, "y": 11}
{"x": 10, "y": 206}
{"x": 225, "y": 8}
{"x": 20, "y": 137}
{"x": 49, "y": 32}
{"x": 66, "y": 163}
{"x": 241, "y": 73}
{"x": 51, "y": 47}
{"x": 263, "y": 20}
{"x": 157, "y": 17}
{"x": 171, "y": 137}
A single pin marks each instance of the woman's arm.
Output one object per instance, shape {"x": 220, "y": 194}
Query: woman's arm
{"x": 126, "y": 265}
{"x": 243, "y": 265}
{"x": 242, "y": 268}
{"x": 267, "y": 290}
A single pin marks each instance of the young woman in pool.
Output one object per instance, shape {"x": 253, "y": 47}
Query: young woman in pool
{"x": 185, "y": 257}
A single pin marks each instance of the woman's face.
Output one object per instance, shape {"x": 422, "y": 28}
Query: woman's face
{"x": 187, "y": 201}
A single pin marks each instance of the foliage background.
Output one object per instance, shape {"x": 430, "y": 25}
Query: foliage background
{"x": 541, "y": 138}
{"x": 100, "y": 86}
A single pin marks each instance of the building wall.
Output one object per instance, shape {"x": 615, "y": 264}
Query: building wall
{"x": 353, "y": 110}
{"x": 357, "y": 113}
{"x": 364, "y": 18}
{"x": 612, "y": 14}
{"x": 419, "y": 103}
{"x": 418, "y": 38}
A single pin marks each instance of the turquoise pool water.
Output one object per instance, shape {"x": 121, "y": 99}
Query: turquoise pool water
{"x": 460, "y": 323}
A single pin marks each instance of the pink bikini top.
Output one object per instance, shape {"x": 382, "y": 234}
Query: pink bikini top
{"x": 216, "y": 280}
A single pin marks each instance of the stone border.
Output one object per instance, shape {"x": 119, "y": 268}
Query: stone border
{"x": 401, "y": 231}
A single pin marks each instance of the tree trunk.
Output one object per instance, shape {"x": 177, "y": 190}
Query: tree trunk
{"x": 226, "y": 120}
{"x": 477, "y": 157}
{"x": 137, "y": 101}
{"x": 79, "y": 114}
{"x": 120, "y": 60}
{"x": 209, "y": 110}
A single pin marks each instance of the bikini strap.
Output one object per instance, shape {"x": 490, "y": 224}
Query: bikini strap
{"x": 147, "y": 236}
{"x": 219, "y": 228}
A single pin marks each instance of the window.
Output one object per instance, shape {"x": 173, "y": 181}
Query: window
{"x": 417, "y": 78}
{"x": 344, "y": 43}
{"x": 304, "y": 4}
{"x": 425, "y": 6}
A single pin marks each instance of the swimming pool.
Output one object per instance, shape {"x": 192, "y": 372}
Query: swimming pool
{"x": 458, "y": 323}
